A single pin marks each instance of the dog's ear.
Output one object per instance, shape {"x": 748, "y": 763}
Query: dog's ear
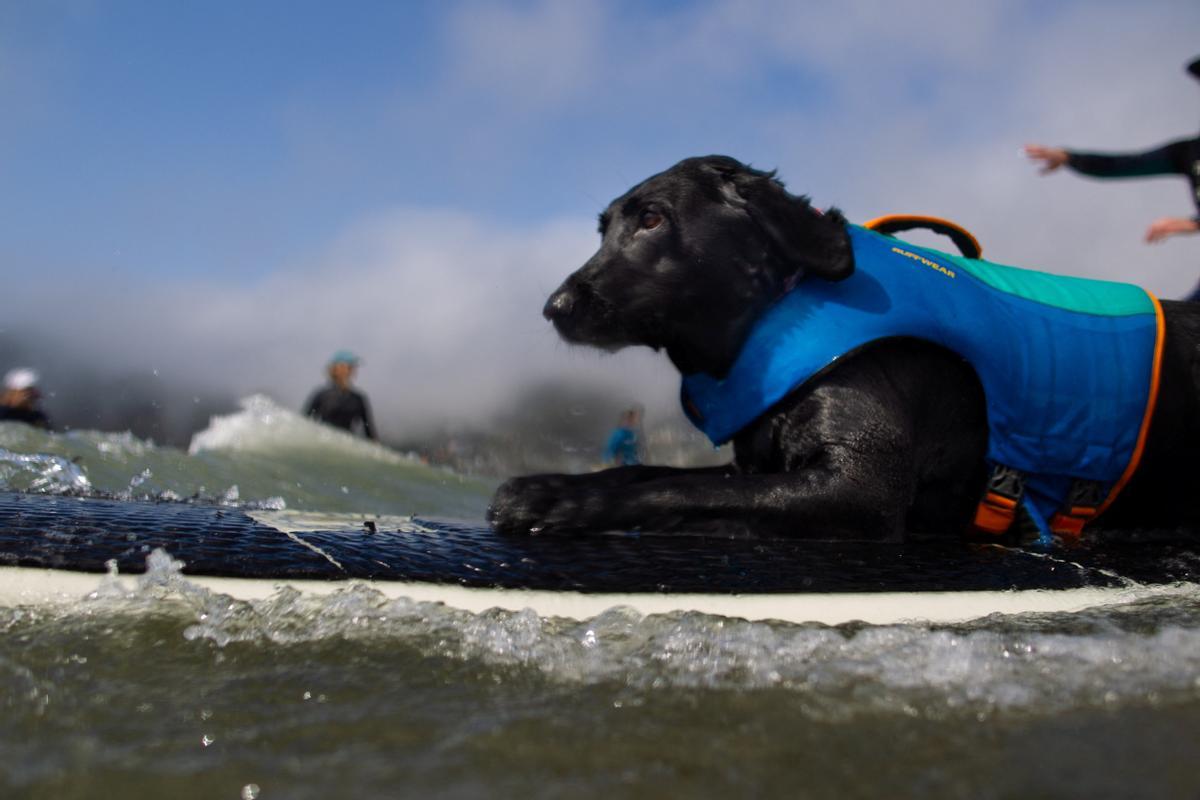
{"x": 809, "y": 242}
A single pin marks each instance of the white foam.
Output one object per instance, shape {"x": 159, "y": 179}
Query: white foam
{"x": 1145, "y": 651}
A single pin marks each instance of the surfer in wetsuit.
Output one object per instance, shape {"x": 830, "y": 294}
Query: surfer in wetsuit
{"x": 1181, "y": 157}
{"x": 622, "y": 447}
{"x": 337, "y": 404}
{"x": 19, "y": 402}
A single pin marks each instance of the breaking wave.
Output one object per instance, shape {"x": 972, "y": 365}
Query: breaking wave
{"x": 261, "y": 456}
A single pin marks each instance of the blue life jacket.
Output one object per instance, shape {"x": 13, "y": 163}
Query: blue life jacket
{"x": 1068, "y": 365}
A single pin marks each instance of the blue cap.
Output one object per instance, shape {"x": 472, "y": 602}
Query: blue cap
{"x": 344, "y": 357}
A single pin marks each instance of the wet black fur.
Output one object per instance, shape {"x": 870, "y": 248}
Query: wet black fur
{"x": 889, "y": 442}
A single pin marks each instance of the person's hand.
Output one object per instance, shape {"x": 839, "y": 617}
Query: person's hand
{"x": 1166, "y": 227}
{"x": 1051, "y": 158}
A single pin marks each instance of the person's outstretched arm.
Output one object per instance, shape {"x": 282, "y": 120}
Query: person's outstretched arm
{"x": 1169, "y": 159}
{"x": 1166, "y": 227}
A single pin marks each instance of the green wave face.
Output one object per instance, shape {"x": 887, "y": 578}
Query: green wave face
{"x": 263, "y": 455}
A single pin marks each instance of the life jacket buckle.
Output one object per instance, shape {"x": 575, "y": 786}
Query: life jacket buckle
{"x": 1081, "y": 506}
{"x": 998, "y": 507}
{"x": 1007, "y": 482}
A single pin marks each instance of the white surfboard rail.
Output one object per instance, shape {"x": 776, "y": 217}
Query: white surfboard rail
{"x": 31, "y": 586}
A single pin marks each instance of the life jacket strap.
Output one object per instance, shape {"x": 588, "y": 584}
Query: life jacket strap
{"x": 998, "y": 507}
{"x": 1082, "y": 505}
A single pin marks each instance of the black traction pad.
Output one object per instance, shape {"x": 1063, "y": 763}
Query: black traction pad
{"x": 83, "y": 534}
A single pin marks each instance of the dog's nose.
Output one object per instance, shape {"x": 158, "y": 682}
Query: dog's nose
{"x": 559, "y": 306}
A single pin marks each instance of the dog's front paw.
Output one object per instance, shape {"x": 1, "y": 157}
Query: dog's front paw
{"x": 544, "y": 504}
{"x": 520, "y": 504}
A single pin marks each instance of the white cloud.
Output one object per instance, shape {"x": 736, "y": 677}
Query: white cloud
{"x": 444, "y": 309}
{"x": 527, "y": 56}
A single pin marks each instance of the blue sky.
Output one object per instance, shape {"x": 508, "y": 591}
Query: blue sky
{"x": 232, "y": 189}
{"x": 237, "y": 136}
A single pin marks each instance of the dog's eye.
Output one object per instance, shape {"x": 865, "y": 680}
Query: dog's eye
{"x": 649, "y": 220}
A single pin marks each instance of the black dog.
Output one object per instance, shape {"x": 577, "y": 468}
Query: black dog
{"x": 892, "y": 440}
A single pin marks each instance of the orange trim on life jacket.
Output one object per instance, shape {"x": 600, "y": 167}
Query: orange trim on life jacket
{"x": 889, "y": 223}
{"x": 1151, "y": 402}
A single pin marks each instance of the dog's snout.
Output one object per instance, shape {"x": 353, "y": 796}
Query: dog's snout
{"x": 560, "y": 305}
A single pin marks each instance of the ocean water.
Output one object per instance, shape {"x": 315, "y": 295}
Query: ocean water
{"x": 167, "y": 690}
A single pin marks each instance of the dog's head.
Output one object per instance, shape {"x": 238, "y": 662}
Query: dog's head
{"x": 689, "y": 258}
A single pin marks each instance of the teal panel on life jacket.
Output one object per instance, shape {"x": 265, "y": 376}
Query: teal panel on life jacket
{"x": 1065, "y": 363}
{"x": 1106, "y": 298}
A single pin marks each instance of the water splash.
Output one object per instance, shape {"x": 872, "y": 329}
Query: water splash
{"x": 38, "y": 472}
{"x": 1143, "y": 652}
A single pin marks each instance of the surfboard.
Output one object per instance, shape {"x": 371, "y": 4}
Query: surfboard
{"x": 56, "y": 549}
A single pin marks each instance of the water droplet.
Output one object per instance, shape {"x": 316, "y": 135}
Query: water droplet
{"x": 140, "y": 478}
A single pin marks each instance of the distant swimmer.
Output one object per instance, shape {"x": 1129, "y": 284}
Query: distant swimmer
{"x": 337, "y": 404}
{"x": 622, "y": 448}
{"x": 21, "y": 400}
{"x": 1180, "y": 157}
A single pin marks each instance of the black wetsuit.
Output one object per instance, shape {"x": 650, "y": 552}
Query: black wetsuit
{"x": 341, "y": 408}
{"x": 1181, "y": 157}
{"x": 30, "y": 416}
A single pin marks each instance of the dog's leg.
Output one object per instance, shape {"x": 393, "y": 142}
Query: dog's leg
{"x": 521, "y": 504}
{"x": 817, "y": 502}
{"x": 612, "y": 478}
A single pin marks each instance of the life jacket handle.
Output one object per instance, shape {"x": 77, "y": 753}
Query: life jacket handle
{"x": 963, "y": 239}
